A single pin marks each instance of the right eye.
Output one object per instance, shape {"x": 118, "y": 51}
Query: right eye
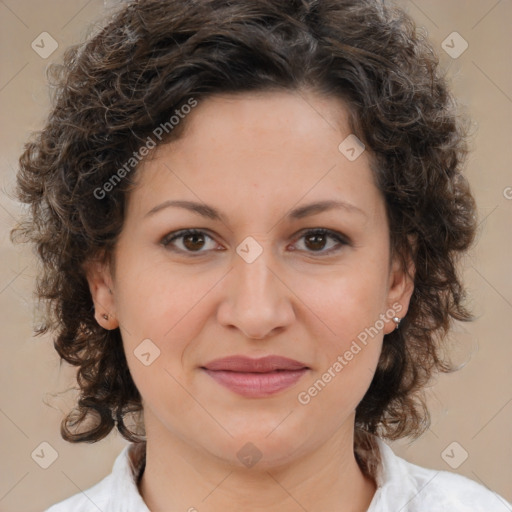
{"x": 190, "y": 240}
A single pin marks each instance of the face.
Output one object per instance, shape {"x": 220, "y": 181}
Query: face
{"x": 264, "y": 275}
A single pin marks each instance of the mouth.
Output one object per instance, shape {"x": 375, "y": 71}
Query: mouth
{"x": 256, "y": 378}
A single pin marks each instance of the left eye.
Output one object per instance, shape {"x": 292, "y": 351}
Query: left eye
{"x": 193, "y": 240}
{"x": 316, "y": 238}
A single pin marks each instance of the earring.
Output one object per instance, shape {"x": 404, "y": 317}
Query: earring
{"x": 397, "y": 321}
{"x": 105, "y": 316}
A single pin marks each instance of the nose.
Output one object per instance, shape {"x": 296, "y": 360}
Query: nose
{"x": 257, "y": 300}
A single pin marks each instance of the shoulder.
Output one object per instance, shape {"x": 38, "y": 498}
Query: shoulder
{"x": 412, "y": 488}
{"x": 117, "y": 492}
{"x": 92, "y": 499}
{"x": 443, "y": 490}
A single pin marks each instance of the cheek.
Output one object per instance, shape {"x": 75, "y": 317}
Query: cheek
{"x": 349, "y": 341}
{"x": 159, "y": 301}
{"x": 159, "y": 314}
{"x": 348, "y": 301}
{"x": 157, "y": 318}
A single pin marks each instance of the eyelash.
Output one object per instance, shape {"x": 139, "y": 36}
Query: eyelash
{"x": 168, "y": 239}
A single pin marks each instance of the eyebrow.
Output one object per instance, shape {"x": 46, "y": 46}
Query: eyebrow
{"x": 298, "y": 213}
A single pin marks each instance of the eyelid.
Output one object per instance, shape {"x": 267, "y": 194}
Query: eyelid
{"x": 339, "y": 237}
{"x": 174, "y": 235}
{"x": 326, "y": 231}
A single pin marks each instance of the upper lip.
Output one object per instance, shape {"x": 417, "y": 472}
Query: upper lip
{"x": 261, "y": 365}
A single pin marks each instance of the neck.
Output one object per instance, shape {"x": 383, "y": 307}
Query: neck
{"x": 179, "y": 476}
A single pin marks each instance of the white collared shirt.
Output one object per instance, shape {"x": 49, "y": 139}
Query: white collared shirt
{"x": 401, "y": 487}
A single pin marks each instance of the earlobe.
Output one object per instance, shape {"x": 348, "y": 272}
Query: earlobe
{"x": 101, "y": 285}
{"x": 400, "y": 290}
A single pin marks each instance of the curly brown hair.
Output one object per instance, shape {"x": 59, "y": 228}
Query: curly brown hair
{"x": 153, "y": 55}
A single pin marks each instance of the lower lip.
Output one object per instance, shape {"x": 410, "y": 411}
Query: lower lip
{"x": 256, "y": 385}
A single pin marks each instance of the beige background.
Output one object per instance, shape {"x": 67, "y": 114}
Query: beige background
{"x": 472, "y": 407}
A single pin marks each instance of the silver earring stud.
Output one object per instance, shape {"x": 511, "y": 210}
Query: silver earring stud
{"x": 397, "y": 321}
{"x": 105, "y": 317}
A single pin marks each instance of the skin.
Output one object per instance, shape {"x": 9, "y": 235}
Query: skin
{"x": 254, "y": 157}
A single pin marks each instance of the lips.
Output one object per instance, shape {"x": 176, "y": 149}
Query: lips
{"x": 256, "y": 378}
{"x": 262, "y": 365}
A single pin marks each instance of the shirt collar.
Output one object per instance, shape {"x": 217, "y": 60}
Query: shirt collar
{"x": 125, "y": 496}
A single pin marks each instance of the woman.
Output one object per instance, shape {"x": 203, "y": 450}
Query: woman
{"x": 249, "y": 215}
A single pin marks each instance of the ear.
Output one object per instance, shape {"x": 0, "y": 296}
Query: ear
{"x": 102, "y": 291}
{"x": 401, "y": 286}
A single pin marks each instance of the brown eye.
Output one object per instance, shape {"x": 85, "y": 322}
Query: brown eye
{"x": 191, "y": 241}
{"x": 316, "y": 240}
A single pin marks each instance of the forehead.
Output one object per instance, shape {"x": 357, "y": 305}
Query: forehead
{"x": 270, "y": 147}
